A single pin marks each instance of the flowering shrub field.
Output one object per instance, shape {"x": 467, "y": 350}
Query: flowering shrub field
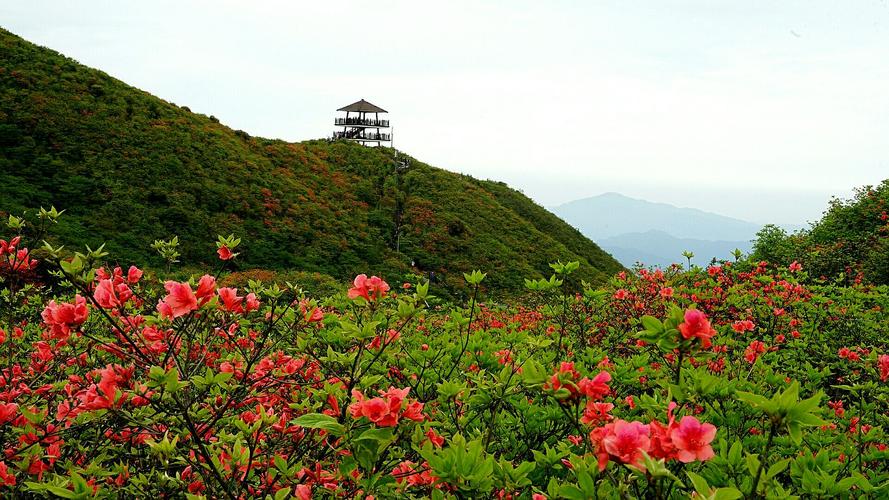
{"x": 735, "y": 380}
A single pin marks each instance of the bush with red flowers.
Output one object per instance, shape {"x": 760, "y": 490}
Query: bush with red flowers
{"x": 737, "y": 380}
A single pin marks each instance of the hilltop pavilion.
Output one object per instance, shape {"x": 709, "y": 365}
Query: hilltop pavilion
{"x": 359, "y": 126}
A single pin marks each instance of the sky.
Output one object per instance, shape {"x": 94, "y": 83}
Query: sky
{"x": 759, "y": 110}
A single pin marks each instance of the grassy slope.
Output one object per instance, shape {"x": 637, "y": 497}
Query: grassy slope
{"x": 130, "y": 168}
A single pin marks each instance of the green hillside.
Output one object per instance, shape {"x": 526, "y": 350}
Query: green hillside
{"x": 851, "y": 241}
{"x": 130, "y": 168}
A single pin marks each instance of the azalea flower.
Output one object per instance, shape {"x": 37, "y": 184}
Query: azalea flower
{"x": 134, "y": 274}
{"x": 231, "y": 302}
{"x": 597, "y": 387}
{"x": 597, "y": 413}
{"x": 697, "y": 325}
{"x": 303, "y": 492}
{"x": 434, "y": 438}
{"x": 6, "y": 478}
{"x": 225, "y": 253}
{"x": 62, "y": 318}
{"x": 883, "y": 362}
{"x": 743, "y": 326}
{"x": 626, "y": 441}
{"x": 373, "y": 288}
{"x": 179, "y": 301}
{"x": 753, "y": 351}
{"x": 106, "y": 295}
{"x": 692, "y": 440}
{"x": 206, "y": 289}
{"x": 7, "y": 412}
{"x": 386, "y": 410}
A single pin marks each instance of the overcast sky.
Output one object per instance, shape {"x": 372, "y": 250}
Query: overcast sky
{"x": 755, "y": 109}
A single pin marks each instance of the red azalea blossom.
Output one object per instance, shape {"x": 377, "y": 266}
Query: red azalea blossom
{"x": 6, "y": 477}
{"x": 625, "y": 441}
{"x": 303, "y": 492}
{"x": 883, "y": 362}
{"x": 597, "y": 387}
{"x": 134, "y": 274}
{"x": 692, "y": 440}
{"x": 597, "y": 413}
{"x": 206, "y": 289}
{"x": 225, "y": 253}
{"x": 106, "y": 295}
{"x": 837, "y": 407}
{"x": 743, "y": 326}
{"x": 310, "y": 313}
{"x": 179, "y": 301}
{"x": 7, "y": 412}
{"x": 697, "y": 325}
{"x": 62, "y": 318}
{"x": 753, "y": 351}
{"x": 385, "y": 411}
{"x": 229, "y": 300}
{"x": 372, "y": 288}
{"x": 408, "y": 473}
{"x": 435, "y": 438}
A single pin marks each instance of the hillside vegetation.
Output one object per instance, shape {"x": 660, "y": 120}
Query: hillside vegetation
{"x": 850, "y": 242}
{"x": 130, "y": 168}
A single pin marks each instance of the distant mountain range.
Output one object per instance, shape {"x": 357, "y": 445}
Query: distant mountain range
{"x": 612, "y": 214}
{"x": 635, "y": 230}
{"x": 657, "y": 248}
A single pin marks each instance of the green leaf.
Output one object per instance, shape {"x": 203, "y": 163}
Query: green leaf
{"x": 60, "y": 492}
{"x": 652, "y": 324}
{"x": 571, "y": 492}
{"x": 381, "y": 435}
{"x": 727, "y": 494}
{"x": 754, "y": 400}
{"x": 777, "y": 467}
{"x": 586, "y": 482}
{"x": 752, "y": 464}
{"x": 700, "y": 484}
{"x": 320, "y": 421}
{"x": 795, "y": 432}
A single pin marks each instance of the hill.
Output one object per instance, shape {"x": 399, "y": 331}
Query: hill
{"x": 851, "y": 241}
{"x": 130, "y": 168}
{"x": 612, "y": 214}
{"x": 657, "y": 248}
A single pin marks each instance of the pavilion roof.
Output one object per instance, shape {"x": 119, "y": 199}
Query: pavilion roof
{"x": 363, "y": 106}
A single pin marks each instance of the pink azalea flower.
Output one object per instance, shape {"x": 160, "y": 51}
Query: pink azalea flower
{"x": 180, "y": 300}
{"x": 627, "y": 441}
{"x": 105, "y": 294}
{"x": 225, "y": 253}
{"x": 692, "y": 440}
{"x": 697, "y": 325}
{"x": 373, "y": 288}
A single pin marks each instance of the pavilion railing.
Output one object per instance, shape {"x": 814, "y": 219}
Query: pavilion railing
{"x": 367, "y": 122}
{"x": 360, "y": 135}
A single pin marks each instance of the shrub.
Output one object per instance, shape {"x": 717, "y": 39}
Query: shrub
{"x": 733, "y": 380}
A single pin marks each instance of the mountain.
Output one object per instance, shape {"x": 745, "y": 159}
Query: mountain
{"x": 130, "y": 168}
{"x": 657, "y": 248}
{"x": 612, "y": 214}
